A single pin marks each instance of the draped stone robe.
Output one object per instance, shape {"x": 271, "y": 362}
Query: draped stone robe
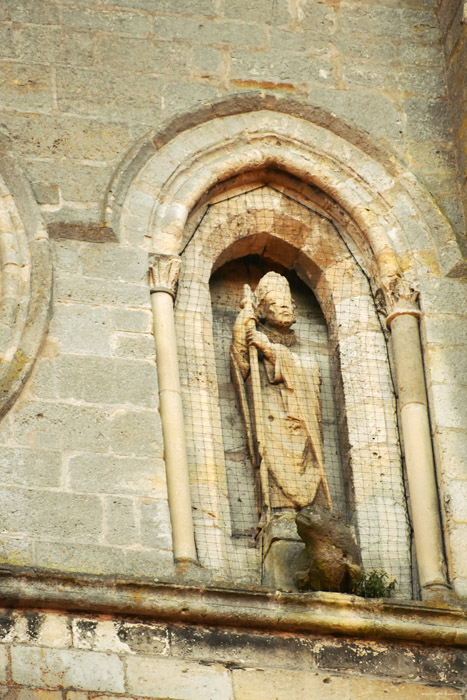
{"x": 292, "y": 448}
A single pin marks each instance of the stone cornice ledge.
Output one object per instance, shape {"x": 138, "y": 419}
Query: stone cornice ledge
{"x": 316, "y": 613}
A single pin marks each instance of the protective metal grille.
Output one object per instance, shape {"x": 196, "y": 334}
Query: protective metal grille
{"x": 282, "y": 414}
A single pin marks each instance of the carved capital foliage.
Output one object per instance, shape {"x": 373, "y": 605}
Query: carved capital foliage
{"x": 396, "y": 297}
{"x": 163, "y": 273}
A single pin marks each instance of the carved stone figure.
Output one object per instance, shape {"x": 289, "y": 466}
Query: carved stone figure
{"x": 279, "y": 394}
{"x": 330, "y": 560}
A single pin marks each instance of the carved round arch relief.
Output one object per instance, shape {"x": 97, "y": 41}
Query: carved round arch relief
{"x": 25, "y": 286}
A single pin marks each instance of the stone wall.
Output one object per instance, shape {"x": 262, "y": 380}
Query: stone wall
{"x": 80, "y": 657}
{"x": 90, "y": 90}
{"x": 84, "y": 81}
{"x": 453, "y": 25}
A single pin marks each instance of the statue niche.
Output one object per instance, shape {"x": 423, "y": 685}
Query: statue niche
{"x": 280, "y": 400}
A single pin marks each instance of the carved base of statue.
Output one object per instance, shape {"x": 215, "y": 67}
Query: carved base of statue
{"x": 281, "y": 546}
{"x": 330, "y": 560}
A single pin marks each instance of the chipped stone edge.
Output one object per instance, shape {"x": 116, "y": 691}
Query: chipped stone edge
{"x": 275, "y": 611}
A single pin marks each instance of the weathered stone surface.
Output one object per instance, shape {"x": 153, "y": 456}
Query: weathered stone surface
{"x": 181, "y": 680}
{"x": 74, "y": 556}
{"x": 136, "y": 432}
{"x": 102, "y": 473}
{"x": 241, "y": 648}
{"x": 75, "y": 516}
{"x": 255, "y": 684}
{"x": 90, "y": 671}
{"x": 120, "y": 521}
{"x": 82, "y": 329}
{"x": 26, "y": 467}
{"x": 106, "y": 380}
{"x": 435, "y": 666}
{"x": 369, "y": 689}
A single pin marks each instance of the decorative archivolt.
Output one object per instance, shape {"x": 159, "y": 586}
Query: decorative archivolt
{"x": 26, "y": 281}
{"x": 386, "y": 216}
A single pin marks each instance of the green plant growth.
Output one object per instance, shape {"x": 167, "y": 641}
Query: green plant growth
{"x": 373, "y": 585}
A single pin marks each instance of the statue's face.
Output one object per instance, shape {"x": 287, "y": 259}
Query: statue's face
{"x": 279, "y": 309}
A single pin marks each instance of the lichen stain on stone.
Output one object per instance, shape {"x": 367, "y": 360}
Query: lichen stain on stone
{"x": 264, "y": 85}
{"x": 34, "y": 623}
{"x": 14, "y": 371}
{"x": 6, "y": 624}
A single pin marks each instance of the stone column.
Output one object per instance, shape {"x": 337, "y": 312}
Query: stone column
{"x": 163, "y": 276}
{"x": 402, "y": 317}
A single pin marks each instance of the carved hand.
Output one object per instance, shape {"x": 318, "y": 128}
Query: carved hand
{"x": 261, "y": 341}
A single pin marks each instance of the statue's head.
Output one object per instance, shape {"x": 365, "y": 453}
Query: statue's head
{"x": 276, "y": 307}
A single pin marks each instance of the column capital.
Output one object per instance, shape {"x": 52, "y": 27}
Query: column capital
{"x": 397, "y": 297}
{"x": 163, "y": 273}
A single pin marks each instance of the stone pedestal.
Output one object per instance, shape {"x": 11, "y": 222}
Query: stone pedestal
{"x": 281, "y": 545}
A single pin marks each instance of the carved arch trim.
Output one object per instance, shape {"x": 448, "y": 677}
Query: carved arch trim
{"x": 26, "y": 278}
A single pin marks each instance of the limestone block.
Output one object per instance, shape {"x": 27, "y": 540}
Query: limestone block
{"x": 207, "y": 60}
{"x": 386, "y": 661}
{"x": 449, "y": 406}
{"x": 102, "y": 473}
{"x": 55, "y": 631}
{"x": 76, "y": 181}
{"x": 50, "y": 425}
{"x": 87, "y": 558}
{"x": 177, "y": 97}
{"x": 128, "y": 94}
{"x": 137, "y": 637}
{"x": 95, "y": 291}
{"x": 124, "y": 21}
{"x": 47, "y": 135}
{"x": 136, "y": 346}
{"x": 244, "y": 648}
{"x": 53, "y": 668}
{"x": 29, "y": 12}
{"x": 81, "y": 328}
{"x": 375, "y": 113}
{"x": 169, "y": 28}
{"x": 456, "y": 538}
{"x": 120, "y": 524}
{"x": 17, "y": 550}
{"x": 25, "y": 87}
{"x": 156, "y": 531}
{"x": 131, "y": 320}
{"x": 455, "y": 496}
{"x": 60, "y": 515}
{"x": 447, "y": 365}
{"x": 401, "y": 23}
{"x": 277, "y": 66}
{"x": 444, "y": 329}
{"x": 50, "y": 44}
{"x": 362, "y": 689}
{"x": 450, "y": 450}
{"x": 107, "y": 380}
{"x": 180, "y": 680}
{"x": 113, "y": 262}
{"x": 427, "y": 119}
{"x": 156, "y": 564}
{"x": 136, "y": 432}
{"x": 4, "y": 665}
{"x": 252, "y": 684}
{"x": 25, "y": 467}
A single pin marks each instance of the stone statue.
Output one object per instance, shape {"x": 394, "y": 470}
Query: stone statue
{"x": 330, "y": 560}
{"x": 279, "y": 394}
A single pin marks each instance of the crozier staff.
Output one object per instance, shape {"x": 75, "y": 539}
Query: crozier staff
{"x": 280, "y": 399}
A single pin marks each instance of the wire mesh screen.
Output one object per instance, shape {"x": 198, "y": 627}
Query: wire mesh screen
{"x": 287, "y": 391}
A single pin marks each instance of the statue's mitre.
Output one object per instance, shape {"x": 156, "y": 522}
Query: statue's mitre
{"x": 271, "y": 282}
